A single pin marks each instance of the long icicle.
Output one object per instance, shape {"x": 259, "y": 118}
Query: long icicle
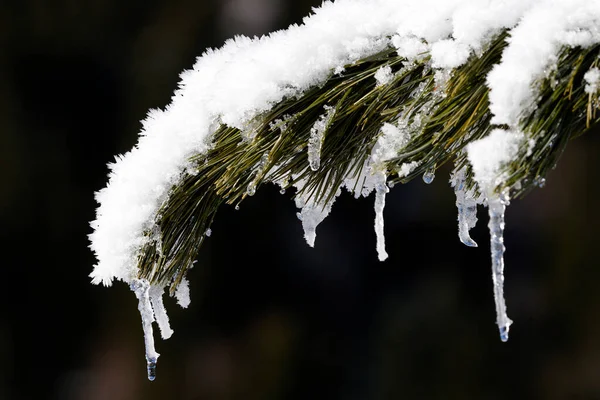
{"x": 496, "y": 208}
{"x": 141, "y": 288}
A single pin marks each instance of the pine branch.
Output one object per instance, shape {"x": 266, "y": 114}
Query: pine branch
{"x": 273, "y": 147}
{"x": 370, "y": 108}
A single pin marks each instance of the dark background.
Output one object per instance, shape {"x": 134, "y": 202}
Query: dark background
{"x": 270, "y": 317}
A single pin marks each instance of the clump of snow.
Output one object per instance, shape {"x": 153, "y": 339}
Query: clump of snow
{"x": 592, "y": 80}
{"x": 407, "y": 168}
{"x": 449, "y": 53}
{"x": 384, "y": 75}
{"x": 410, "y": 47}
{"x": 489, "y": 154}
{"x": 182, "y": 293}
{"x": 533, "y": 48}
{"x": 391, "y": 140}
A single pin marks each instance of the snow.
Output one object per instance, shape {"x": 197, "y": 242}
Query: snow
{"x": 384, "y": 75}
{"x": 182, "y": 293}
{"x": 489, "y": 154}
{"x": 407, "y": 168}
{"x": 592, "y": 80}
{"x": 533, "y": 47}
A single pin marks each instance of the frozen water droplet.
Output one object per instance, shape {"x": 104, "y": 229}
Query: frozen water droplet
{"x": 496, "y": 209}
{"x": 282, "y": 191}
{"x": 539, "y": 182}
{"x": 151, "y": 364}
{"x": 237, "y": 207}
{"x": 504, "y": 333}
{"x": 208, "y": 232}
{"x": 429, "y": 175}
{"x": 251, "y": 191}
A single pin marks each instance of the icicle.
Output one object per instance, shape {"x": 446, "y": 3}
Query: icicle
{"x": 497, "y": 207}
{"x": 317, "y": 133}
{"x": 467, "y": 208}
{"x": 141, "y": 288}
{"x": 380, "y": 192}
{"x": 429, "y": 175}
{"x": 312, "y": 213}
{"x": 311, "y": 216}
{"x": 160, "y": 314}
{"x": 257, "y": 174}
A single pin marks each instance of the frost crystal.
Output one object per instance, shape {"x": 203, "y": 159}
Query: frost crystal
{"x": 592, "y": 80}
{"x": 407, "y": 168}
{"x": 490, "y": 154}
{"x": 317, "y": 133}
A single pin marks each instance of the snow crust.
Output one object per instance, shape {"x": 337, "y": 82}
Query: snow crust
{"x": 592, "y": 80}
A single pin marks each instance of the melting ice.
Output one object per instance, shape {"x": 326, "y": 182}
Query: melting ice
{"x": 496, "y": 208}
{"x": 467, "y": 207}
{"x": 317, "y": 134}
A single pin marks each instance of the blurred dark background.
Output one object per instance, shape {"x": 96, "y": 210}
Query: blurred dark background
{"x": 270, "y": 317}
